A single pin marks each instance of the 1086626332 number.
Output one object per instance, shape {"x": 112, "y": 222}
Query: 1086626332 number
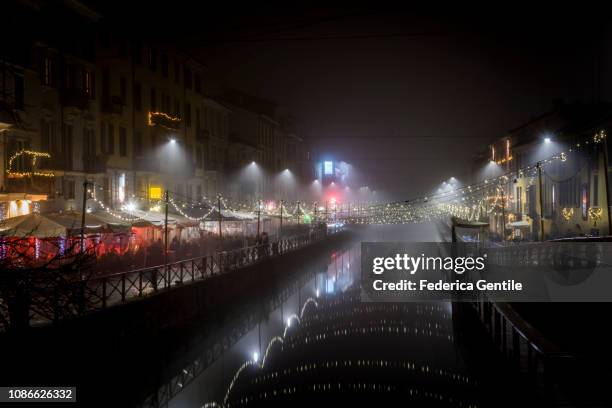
{"x": 35, "y": 394}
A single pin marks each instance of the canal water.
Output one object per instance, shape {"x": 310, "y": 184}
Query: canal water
{"x": 312, "y": 341}
{"x": 303, "y": 339}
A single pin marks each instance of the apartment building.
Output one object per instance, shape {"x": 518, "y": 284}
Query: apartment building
{"x": 130, "y": 119}
{"x": 567, "y": 195}
{"x": 47, "y": 107}
{"x": 261, "y": 133}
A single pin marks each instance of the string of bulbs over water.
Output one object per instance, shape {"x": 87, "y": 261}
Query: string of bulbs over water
{"x": 470, "y": 202}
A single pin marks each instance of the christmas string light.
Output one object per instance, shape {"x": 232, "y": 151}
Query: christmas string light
{"x": 174, "y": 120}
{"x": 181, "y": 212}
{"x": 34, "y": 156}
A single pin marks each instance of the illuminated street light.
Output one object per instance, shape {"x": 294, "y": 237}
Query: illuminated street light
{"x": 172, "y": 140}
{"x": 131, "y": 206}
{"x": 255, "y": 356}
{"x": 547, "y": 140}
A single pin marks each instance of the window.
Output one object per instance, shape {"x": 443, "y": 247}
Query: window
{"x": 177, "y": 108}
{"x": 153, "y": 100}
{"x": 177, "y": 72}
{"x": 123, "y": 89}
{"x": 137, "y": 52}
{"x": 137, "y": 148}
{"x": 122, "y": 142}
{"x": 66, "y": 145}
{"x": 105, "y": 84}
{"x": 197, "y": 120}
{"x": 68, "y": 76}
{"x": 103, "y": 137}
{"x": 188, "y": 78}
{"x": 164, "y": 65}
{"x": 199, "y": 156}
{"x": 89, "y": 150}
{"x": 199, "y": 193}
{"x": 48, "y": 71}
{"x": 110, "y": 140}
{"x": 69, "y": 189}
{"x": 519, "y": 200}
{"x": 88, "y": 83}
{"x": 48, "y": 137}
{"x": 19, "y": 92}
{"x": 188, "y": 114}
{"x": 585, "y": 201}
{"x": 595, "y": 196}
{"x": 137, "y": 97}
{"x": 165, "y": 103}
{"x": 152, "y": 60}
{"x": 198, "y": 83}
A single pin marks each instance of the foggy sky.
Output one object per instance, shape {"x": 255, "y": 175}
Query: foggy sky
{"x": 407, "y": 97}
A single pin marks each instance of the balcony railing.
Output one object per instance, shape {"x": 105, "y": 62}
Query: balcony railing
{"x": 113, "y": 104}
{"x": 31, "y": 185}
{"x": 95, "y": 164}
{"x": 75, "y": 98}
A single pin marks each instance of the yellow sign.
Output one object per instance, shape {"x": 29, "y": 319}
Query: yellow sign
{"x": 155, "y": 193}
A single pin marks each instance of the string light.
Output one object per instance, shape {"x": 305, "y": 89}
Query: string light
{"x": 595, "y": 214}
{"x": 180, "y": 211}
{"x": 34, "y": 156}
{"x": 173, "y": 120}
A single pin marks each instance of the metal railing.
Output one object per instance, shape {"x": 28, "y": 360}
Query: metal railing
{"x": 530, "y": 353}
{"x": 541, "y": 362}
{"x": 41, "y": 300}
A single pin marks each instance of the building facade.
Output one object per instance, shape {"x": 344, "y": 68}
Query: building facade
{"x": 124, "y": 121}
{"x": 47, "y": 108}
{"x": 556, "y": 176}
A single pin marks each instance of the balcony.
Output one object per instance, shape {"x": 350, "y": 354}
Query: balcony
{"x": 113, "y": 104}
{"x": 95, "y": 164}
{"x": 31, "y": 185}
{"x": 146, "y": 164}
{"x": 75, "y": 98}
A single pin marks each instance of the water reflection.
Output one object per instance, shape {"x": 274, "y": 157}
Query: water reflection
{"x": 314, "y": 341}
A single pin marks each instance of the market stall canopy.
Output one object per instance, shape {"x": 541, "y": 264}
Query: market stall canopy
{"x": 150, "y": 217}
{"x": 50, "y": 225}
{"x": 184, "y": 222}
{"x": 227, "y": 215}
{"x": 124, "y": 223}
{"x": 238, "y": 215}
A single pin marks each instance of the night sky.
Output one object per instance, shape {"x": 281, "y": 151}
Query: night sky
{"x": 406, "y": 96}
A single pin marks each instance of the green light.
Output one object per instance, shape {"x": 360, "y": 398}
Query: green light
{"x": 307, "y": 219}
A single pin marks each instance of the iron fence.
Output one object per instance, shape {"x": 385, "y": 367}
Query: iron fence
{"x": 43, "y": 299}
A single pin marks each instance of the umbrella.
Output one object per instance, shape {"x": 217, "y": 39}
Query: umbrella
{"x": 31, "y": 225}
{"x": 120, "y": 226}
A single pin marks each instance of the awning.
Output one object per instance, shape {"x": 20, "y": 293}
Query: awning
{"x": 49, "y": 225}
{"x": 5, "y": 197}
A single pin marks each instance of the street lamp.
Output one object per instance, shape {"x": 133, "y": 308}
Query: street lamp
{"x": 547, "y": 139}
